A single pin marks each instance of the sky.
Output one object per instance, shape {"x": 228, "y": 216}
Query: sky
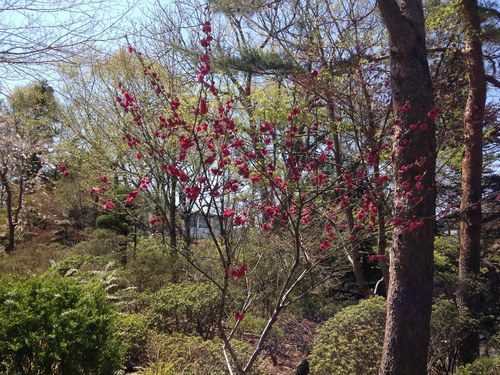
{"x": 32, "y": 25}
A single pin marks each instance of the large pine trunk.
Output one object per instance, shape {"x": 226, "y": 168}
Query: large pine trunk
{"x": 409, "y": 299}
{"x": 472, "y": 165}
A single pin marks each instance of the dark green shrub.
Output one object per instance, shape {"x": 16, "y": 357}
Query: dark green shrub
{"x": 350, "y": 343}
{"x": 185, "y": 308}
{"x": 114, "y": 222}
{"x": 483, "y": 366}
{"x": 53, "y": 325}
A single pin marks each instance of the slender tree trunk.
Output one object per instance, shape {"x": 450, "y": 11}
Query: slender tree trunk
{"x": 409, "y": 300}
{"x": 472, "y": 166}
{"x": 353, "y": 255}
{"x": 371, "y": 131}
{"x": 11, "y": 224}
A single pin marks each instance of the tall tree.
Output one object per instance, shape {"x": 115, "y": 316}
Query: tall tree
{"x": 472, "y": 168}
{"x": 411, "y": 269}
{"x": 26, "y": 127}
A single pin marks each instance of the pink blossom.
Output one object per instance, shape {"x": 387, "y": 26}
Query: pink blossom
{"x": 240, "y": 220}
{"x": 324, "y": 245}
{"x": 108, "y": 205}
{"x": 203, "y": 107}
{"x": 228, "y": 213}
{"x": 131, "y": 197}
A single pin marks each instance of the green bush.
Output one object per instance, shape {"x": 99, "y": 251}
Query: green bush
{"x": 151, "y": 266}
{"x": 351, "y": 341}
{"x": 53, "y": 325}
{"x": 160, "y": 368}
{"x": 134, "y": 334}
{"x": 104, "y": 242}
{"x": 483, "y": 366}
{"x": 449, "y": 327}
{"x": 185, "y": 308}
{"x": 79, "y": 263}
{"x": 113, "y": 222}
{"x": 182, "y": 354}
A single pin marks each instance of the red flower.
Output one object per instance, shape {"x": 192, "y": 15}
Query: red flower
{"x": 155, "y": 219}
{"x": 255, "y": 178}
{"x": 62, "y": 168}
{"x": 324, "y": 245}
{"x": 103, "y": 178}
{"x": 203, "y": 107}
{"x": 108, "y": 206}
{"x": 131, "y": 197}
{"x": 240, "y": 220}
{"x": 192, "y": 192}
{"x": 433, "y": 113}
{"x": 228, "y": 213}
{"x": 238, "y": 315}
{"x": 405, "y": 108}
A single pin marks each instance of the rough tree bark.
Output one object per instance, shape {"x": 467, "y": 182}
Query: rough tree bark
{"x": 409, "y": 299}
{"x": 472, "y": 166}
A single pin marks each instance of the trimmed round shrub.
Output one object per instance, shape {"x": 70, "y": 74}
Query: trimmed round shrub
{"x": 54, "y": 325}
{"x": 351, "y": 342}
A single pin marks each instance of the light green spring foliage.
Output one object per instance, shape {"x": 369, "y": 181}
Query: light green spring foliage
{"x": 54, "y": 325}
{"x": 350, "y": 343}
{"x": 483, "y": 366}
{"x": 35, "y": 109}
{"x": 189, "y": 355}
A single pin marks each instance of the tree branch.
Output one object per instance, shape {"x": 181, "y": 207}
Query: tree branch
{"x": 494, "y": 12}
{"x": 495, "y": 82}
